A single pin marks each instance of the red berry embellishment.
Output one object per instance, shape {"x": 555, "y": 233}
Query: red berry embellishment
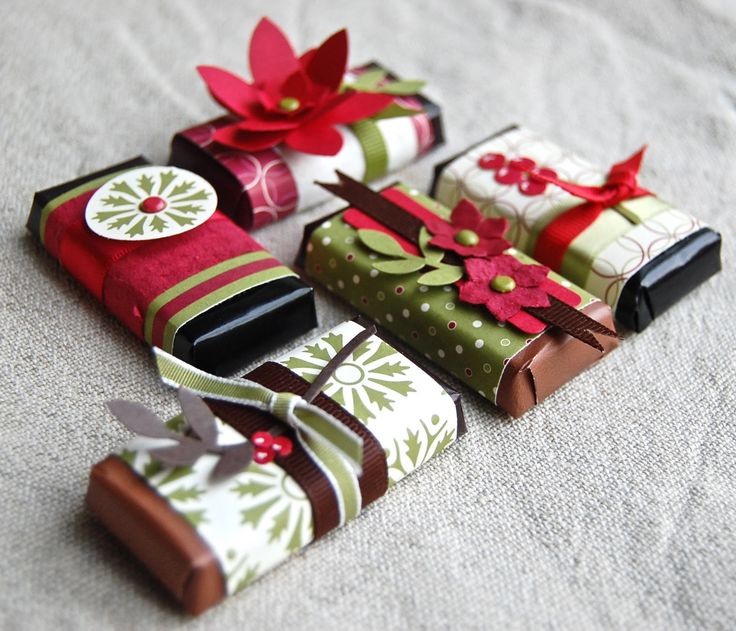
{"x": 264, "y": 440}
{"x": 263, "y": 456}
{"x": 152, "y": 204}
{"x": 282, "y": 446}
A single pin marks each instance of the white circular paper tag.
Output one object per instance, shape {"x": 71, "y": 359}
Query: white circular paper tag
{"x": 150, "y": 203}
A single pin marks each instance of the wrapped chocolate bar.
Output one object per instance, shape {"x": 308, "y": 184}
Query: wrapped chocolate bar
{"x": 603, "y": 231}
{"x": 299, "y": 120}
{"x": 149, "y": 243}
{"x": 218, "y": 496}
{"x": 450, "y": 286}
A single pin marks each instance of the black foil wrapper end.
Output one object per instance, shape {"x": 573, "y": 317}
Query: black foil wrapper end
{"x": 41, "y": 198}
{"x": 668, "y": 277}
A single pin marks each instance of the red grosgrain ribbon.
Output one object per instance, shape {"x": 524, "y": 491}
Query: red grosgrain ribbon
{"x": 166, "y": 276}
{"x": 620, "y": 185}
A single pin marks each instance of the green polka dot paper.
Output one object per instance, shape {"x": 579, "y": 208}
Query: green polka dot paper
{"x": 464, "y": 339}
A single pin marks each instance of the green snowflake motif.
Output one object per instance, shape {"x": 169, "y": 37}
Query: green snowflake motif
{"x": 150, "y": 203}
{"x": 367, "y": 383}
{"x": 271, "y": 500}
{"x": 416, "y": 447}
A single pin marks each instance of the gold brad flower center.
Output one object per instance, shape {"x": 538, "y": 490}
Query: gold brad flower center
{"x": 289, "y": 104}
{"x": 503, "y": 284}
{"x": 467, "y": 237}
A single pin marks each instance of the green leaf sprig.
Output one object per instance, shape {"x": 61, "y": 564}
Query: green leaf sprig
{"x": 405, "y": 263}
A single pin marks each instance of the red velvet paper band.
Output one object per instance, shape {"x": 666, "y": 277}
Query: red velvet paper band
{"x": 128, "y": 276}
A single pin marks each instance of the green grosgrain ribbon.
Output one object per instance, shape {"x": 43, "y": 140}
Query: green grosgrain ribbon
{"x": 334, "y": 448}
{"x": 374, "y": 149}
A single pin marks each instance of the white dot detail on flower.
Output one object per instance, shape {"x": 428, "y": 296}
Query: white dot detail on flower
{"x": 450, "y": 306}
{"x": 477, "y": 324}
{"x": 505, "y": 341}
{"x": 389, "y": 317}
{"x": 440, "y": 353}
{"x": 459, "y": 349}
{"x": 373, "y": 273}
{"x": 479, "y": 343}
{"x": 424, "y": 307}
{"x": 326, "y": 240}
{"x": 356, "y": 279}
{"x": 405, "y": 313}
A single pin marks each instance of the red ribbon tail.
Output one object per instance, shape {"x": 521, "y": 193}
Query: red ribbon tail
{"x": 557, "y": 236}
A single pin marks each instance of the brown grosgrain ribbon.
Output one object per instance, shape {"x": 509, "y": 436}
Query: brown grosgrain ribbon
{"x": 373, "y": 481}
{"x": 399, "y": 220}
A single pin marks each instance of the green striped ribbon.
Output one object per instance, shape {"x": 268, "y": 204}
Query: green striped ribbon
{"x": 334, "y": 448}
{"x": 374, "y": 149}
{"x": 71, "y": 194}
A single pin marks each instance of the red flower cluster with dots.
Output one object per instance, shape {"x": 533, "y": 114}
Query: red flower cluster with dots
{"x": 503, "y": 284}
{"x": 520, "y": 171}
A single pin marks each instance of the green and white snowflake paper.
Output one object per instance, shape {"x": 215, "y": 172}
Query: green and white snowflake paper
{"x": 404, "y": 408}
{"x": 252, "y": 521}
{"x": 150, "y": 202}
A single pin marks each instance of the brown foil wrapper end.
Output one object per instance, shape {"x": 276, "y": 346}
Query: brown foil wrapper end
{"x": 156, "y": 534}
{"x": 549, "y": 362}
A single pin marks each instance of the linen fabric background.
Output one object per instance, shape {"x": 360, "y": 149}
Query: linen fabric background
{"x": 611, "y": 505}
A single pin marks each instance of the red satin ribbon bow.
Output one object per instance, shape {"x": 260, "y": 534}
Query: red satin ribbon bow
{"x": 620, "y": 185}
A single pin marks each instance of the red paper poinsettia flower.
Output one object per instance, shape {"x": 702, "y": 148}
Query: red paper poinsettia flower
{"x": 295, "y": 100}
{"x": 504, "y": 285}
{"x": 520, "y": 171}
{"x": 468, "y": 233}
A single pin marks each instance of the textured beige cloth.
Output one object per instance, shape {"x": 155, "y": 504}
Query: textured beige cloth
{"x": 612, "y": 505}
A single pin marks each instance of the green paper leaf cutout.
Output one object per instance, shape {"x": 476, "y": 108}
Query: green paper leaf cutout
{"x": 188, "y": 208}
{"x": 137, "y": 228}
{"x": 122, "y": 221}
{"x": 250, "y": 575}
{"x": 195, "y": 517}
{"x": 445, "y": 275}
{"x": 158, "y": 224}
{"x": 379, "y": 398}
{"x": 400, "y": 266}
{"x": 166, "y": 177}
{"x": 251, "y": 487}
{"x": 116, "y": 200}
{"x": 431, "y": 254}
{"x": 395, "y": 111}
{"x": 404, "y": 87}
{"x": 146, "y": 183}
{"x": 335, "y": 340}
{"x": 368, "y": 81}
{"x": 382, "y": 243}
{"x": 182, "y": 188}
{"x": 200, "y": 196}
{"x": 254, "y": 514}
{"x": 413, "y": 446}
{"x": 279, "y": 524}
{"x": 184, "y": 494}
{"x": 182, "y": 221}
{"x": 151, "y": 468}
{"x": 296, "y": 538}
{"x": 122, "y": 187}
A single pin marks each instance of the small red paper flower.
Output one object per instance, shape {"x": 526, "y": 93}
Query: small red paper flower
{"x": 267, "y": 447}
{"x": 468, "y": 233}
{"x": 504, "y": 285}
{"x": 519, "y": 171}
{"x": 295, "y": 100}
